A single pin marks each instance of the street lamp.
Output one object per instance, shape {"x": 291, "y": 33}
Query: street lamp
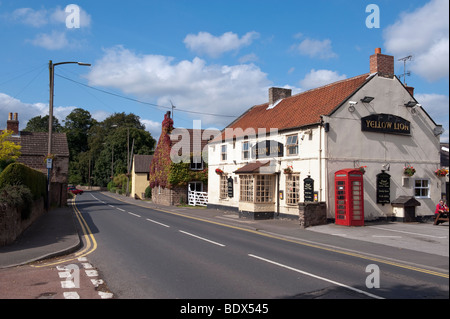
{"x": 51, "y": 67}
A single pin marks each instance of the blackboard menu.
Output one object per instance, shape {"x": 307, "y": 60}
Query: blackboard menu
{"x": 230, "y": 187}
{"x": 308, "y": 189}
{"x": 383, "y": 188}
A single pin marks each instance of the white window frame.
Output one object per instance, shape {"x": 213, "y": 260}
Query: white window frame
{"x": 292, "y": 195}
{"x": 245, "y": 150}
{"x": 223, "y": 152}
{"x": 291, "y": 145}
{"x": 422, "y": 188}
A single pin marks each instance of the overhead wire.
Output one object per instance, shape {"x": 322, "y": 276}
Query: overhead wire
{"x": 142, "y": 102}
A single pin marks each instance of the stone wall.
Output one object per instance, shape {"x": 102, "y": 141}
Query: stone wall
{"x": 11, "y": 223}
{"x": 312, "y": 214}
{"x": 168, "y": 197}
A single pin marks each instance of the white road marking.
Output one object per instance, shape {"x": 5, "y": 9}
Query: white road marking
{"x": 121, "y": 209}
{"x": 134, "y": 214}
{"x": 91, "y": 273}
{"x": 210, "y": 241}
{"x": 154, "y": 221}
{"x": 407, "y": 232}
{"x": 381, "y": 236}
{"x": 105, "y": 295}
{"x": 71, "y": 295}
{"x": 317, "y": 277}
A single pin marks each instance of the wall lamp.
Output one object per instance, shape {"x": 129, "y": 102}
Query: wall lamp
{"x": 367, "y": 99}
{"x": 411, "y": 104}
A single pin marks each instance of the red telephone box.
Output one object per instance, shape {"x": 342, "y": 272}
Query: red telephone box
{"x": 349, "y": 197}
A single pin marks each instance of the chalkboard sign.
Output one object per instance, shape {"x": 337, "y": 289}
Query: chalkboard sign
{"x": 230, "y": 187}
{"x": 383, "y": 188}
{"x": 308, "y": 189}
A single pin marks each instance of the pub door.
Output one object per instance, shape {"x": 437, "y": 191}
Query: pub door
{"x": 349, "y": 198}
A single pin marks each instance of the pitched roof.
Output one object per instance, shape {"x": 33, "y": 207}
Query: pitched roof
{"x": 36, "y": 143}
{"x": 298, "y": 110}
{"x": 142, "y": 163}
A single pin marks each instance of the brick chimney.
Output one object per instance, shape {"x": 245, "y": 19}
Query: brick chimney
{"x": 382, "y": 64}
{"x": 13, "y": 123}
{"x": 276, "y": 94}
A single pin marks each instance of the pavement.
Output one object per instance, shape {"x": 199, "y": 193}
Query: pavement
{"x": 56, "y": 233}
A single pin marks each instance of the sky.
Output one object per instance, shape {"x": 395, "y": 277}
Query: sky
{"x": 212, "y": 60}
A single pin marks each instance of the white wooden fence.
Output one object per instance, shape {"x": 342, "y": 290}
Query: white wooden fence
{"x": 197, "y": 198}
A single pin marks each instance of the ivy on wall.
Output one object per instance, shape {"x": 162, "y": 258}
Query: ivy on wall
{"x": 164, "y": 172}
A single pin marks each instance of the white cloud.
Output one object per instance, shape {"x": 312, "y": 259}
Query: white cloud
{"x": 436, "y": 105}
{"x": 317, "y": 78}
{"x": 26, "y": 111}
{"x": 423, "y": 33}
{"x": 191, "y": 85}
{"x": 42, "y": 17}
{"x": 314, "y": 48}
{"x": 206, "y": 43}
{"x": 54, "y": 41}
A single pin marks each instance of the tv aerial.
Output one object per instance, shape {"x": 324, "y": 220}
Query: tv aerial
{"x": 405, "y": 73}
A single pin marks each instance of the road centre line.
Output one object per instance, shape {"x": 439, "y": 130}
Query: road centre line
{"x": 134, "y": 214}
{"x": 210, "y": 241}
{"x": 317, "y": 277}
{"x": 154, "y": 221}
{"x": 120, "y": 209}
{"x": 303, "y": 242}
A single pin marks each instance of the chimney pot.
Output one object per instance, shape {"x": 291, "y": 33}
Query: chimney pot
{"x": 13, "y": 123}
{"x": 378, "y": 51}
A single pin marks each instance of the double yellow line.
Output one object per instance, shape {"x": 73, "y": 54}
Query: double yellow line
{"x": 91, "y": 243}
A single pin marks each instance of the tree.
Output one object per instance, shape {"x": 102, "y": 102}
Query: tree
{"x": 77, "y": 126}
{"x": 40, "y": 124}
{"x": 9, "y": 151}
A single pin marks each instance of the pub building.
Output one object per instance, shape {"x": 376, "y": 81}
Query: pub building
{"x": 351, "y": 146}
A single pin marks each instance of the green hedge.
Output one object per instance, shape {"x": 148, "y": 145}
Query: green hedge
{"x": 20, "y": 174}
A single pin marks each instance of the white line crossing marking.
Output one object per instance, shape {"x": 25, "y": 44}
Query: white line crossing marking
{"x": 71, "y": 295}
{"x": 91, "y": 273}
{"x": 105, "y": 295}
{"x": 210, "y": 241}
{"x": 134, "y": 214}
{"x": 317, "y": 277}
{"x": 154, "y": 221}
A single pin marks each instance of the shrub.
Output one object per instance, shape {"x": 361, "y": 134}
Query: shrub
{"x": 17, "y": 196}
{"x": 148, "y": 192}
{"x": 19, "y": 174}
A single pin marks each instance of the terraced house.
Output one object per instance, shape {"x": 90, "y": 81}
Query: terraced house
{"x": 364, "y": 148}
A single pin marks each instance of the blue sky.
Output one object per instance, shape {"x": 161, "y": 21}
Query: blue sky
{"x": 211, "y": 59}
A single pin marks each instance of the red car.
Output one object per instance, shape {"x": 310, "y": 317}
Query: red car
{"x": 74, "y": 190}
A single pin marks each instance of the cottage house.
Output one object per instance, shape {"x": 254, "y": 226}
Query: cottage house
{"x": 140, "y": 175}
{"x": 179, "y": 164}
{"x": 34, "y": 153}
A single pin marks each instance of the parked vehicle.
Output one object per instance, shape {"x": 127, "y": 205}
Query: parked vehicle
{"x": 74, "y": 190}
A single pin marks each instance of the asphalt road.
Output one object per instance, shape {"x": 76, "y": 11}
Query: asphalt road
{"x": 145, "y": 253}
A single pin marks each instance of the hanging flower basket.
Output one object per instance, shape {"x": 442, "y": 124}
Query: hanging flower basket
{"x": 219, "y": 171}
{"x": 441, "y": 172}
{"x": 409, "y": 170}
{"x": 362, "y": 169}
{"x": 288, "y": 170}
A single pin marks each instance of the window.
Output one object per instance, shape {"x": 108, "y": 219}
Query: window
{"x": 422, "y": 188}
{"x": 196, "y": 163}
{"x": 246, "y": 188}
{"x": 245, "y": 151}
{"x": 223, "y": 154}
{"x": 292, "y": 189}
{"x": 264, "y": 188}
{"x": 292, "y": 145}
{"x": 223, "y": 187}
